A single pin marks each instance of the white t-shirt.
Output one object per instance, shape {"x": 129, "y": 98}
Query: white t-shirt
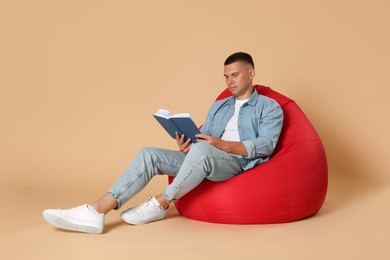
{"x": 231, "y": 129}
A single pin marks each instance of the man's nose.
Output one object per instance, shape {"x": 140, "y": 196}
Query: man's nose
{"x": 229, "y": 81}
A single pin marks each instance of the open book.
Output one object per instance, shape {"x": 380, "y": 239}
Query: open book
{"x": 180, "y": 123}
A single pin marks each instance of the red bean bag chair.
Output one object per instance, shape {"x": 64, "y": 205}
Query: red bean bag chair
{"x": 292, "y": 185}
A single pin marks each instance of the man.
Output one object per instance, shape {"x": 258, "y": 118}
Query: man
{"x": 239, "y": 132}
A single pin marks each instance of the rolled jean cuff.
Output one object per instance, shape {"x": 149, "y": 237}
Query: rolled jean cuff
{"x": 166, "y": 198}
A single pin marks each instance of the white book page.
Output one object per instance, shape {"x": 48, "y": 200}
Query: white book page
{"x": 167, "y": 114}
{"x": 163, "y": 113}
{"x": 182, "y": 115}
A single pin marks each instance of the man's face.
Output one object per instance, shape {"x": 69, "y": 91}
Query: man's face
{"x": 238, "y": 77}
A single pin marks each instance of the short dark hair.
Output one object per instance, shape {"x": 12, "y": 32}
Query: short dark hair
{"x": 240, "y": 56}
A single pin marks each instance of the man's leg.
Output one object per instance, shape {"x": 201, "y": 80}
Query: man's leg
{"x": 90, "y": 218}
{"x": 148, "y": 163}
{"x": 202, "y": 161}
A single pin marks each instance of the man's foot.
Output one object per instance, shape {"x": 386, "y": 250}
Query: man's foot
{"x": 146, "y": 212}
{"x": 83, "y": 219}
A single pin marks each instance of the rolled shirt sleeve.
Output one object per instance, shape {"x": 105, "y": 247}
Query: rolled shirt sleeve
{"x": 269, "y": 126}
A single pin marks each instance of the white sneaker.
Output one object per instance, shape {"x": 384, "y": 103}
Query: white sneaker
{"x": 83, "y": 219}
{"x": 146, "y": 212}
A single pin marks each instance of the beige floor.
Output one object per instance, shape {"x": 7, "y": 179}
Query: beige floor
{"x": 353, "y": 224}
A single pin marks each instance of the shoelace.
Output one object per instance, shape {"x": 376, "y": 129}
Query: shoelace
{"x": 149, "y": 207}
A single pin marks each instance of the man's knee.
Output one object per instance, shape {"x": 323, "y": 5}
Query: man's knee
{"x": 200, "y": 151}
{"x": 148, "y": 153}
{"x": 201, "y": 148}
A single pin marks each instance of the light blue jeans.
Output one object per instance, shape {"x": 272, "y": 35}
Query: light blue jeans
{"x": 203, "y": 161}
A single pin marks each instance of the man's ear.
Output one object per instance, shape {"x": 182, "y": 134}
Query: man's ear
{"x": 252, "y": 73}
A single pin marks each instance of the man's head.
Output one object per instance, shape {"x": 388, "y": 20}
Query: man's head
{"x": 239, "y": 72}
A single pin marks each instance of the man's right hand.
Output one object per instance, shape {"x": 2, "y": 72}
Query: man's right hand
{"x": 183, "y": 146}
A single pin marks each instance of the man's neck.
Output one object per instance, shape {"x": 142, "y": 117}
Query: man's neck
{"x": 246, "y": 95}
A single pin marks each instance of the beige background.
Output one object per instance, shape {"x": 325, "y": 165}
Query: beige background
{"x": 79, "y": 81}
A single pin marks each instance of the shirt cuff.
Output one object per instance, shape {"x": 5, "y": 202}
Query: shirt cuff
{"x": 250, "y": 149}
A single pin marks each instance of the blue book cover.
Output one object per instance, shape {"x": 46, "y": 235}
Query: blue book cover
{"x": 180, "y": 123}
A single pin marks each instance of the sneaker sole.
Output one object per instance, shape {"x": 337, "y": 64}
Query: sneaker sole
{"x": 66, "y": 224}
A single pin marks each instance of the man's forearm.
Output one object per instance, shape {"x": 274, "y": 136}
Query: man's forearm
{"x": 226, "y": 146}
{"x": 232, "y": 147}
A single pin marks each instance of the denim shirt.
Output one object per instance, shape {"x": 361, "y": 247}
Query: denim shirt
{"x": 260, "y": 122}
